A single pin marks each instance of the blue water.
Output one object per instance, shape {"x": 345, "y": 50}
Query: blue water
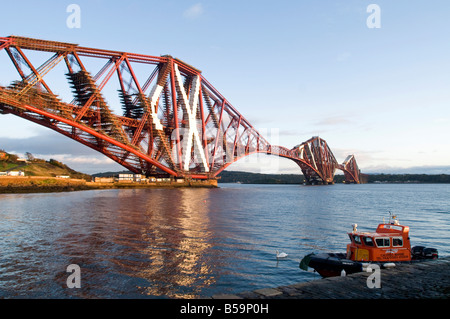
{"x": 191, "y": 243}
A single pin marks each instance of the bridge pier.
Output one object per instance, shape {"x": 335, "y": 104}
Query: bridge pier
{"x": 316, "y": 182}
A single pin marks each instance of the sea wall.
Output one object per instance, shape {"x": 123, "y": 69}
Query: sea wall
{"x": 209, "y": 183}
{"x": 34, "y": 184}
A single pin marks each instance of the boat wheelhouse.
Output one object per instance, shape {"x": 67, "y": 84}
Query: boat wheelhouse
{"x": 390, "y": 242}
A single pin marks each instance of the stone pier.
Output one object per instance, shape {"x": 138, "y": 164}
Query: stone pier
{"x": 424, "y": 280}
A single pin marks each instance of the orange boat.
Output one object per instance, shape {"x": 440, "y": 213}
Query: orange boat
{"x": 390, "y": 243}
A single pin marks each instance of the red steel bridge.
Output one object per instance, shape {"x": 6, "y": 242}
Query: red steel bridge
{"x": 172, "y": 121}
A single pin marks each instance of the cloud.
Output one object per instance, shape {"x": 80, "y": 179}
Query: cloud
{"x": 97, "y": 163}
{"x": 265, "y": 164}
{"x": 194, "y": 11}
{"x": 442, "y": 121}
{"x": 53, "y": 145}
{"x": 386, "y": 169}
{"x": 289, "y": 132}
{"x": 335, "y": 120}
{"x": 44, "y": 144}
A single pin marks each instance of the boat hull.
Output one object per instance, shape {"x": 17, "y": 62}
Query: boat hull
{"x": 330, "y": 264}
{"x": 333, "y": 264}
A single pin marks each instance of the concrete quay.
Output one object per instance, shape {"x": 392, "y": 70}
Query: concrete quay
{"x": 424, "y": 280}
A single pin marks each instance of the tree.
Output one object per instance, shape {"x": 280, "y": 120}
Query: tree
{"x": 29, "y": 156}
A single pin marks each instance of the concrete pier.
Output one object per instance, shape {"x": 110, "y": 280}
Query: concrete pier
{"x": 425, "y": 280}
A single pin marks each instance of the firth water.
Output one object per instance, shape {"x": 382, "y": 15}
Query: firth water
{"x": 191, "y": 243}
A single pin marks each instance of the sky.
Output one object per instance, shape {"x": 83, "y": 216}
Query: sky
{"x": 294, "y": 69}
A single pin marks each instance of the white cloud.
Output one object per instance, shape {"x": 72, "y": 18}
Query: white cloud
{"x": 334, "y": 120}
{"x": 442, "y": 121}
{"x": 91, "y": 160}
{"x": 89, "y": 164}
{"x": 194, "y": 11}
{"x": 50, "y": 144}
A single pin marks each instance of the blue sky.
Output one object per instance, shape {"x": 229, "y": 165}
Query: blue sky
{"x": 294, "y": 69}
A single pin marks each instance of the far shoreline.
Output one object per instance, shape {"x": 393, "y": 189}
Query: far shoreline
{"x": 44, "y": 184}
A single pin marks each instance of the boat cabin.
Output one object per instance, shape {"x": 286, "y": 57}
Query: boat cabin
{"x": 390, "y": 242}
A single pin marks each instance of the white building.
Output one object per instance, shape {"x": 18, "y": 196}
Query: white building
{"x": 15, "y": 173}
{"x": 126, "y": 177}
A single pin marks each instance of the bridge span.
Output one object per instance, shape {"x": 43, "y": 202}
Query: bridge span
{"x": 171, "y": 121}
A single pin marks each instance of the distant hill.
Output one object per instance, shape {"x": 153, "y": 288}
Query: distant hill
{"x": 111, "y": 174}
{"x": 256, "y": 178}
{"x": 409, "y": 178}
{"x": 38, "y": 167}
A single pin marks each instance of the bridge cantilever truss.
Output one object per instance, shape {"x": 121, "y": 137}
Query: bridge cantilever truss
{"x": 318, "y": 163}
{"x": 173, "y": 120}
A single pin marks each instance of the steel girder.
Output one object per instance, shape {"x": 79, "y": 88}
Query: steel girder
{"x": 173, "y": 120}
{"x": 318, "y": 162}
{"x": 351, "y": 170}
{"x": 176, "y": 122}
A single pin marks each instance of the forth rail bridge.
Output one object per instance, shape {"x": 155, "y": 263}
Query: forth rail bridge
{"x": 173, "y": 120}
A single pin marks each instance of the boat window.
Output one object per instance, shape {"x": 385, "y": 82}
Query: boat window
{"x": 382, "y": 242}
{"x": 367, "y": 241}
{"x": 399, "y": 228}
{"x": 357, "y": 239}
{"x": 351, "y": 237}
{"x": 397, "y": 241}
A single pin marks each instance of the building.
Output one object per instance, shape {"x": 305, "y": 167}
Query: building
{"x": 15, "y": 173}
{"x": 104, "y": 179}
{"x": 126, "y": 177}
